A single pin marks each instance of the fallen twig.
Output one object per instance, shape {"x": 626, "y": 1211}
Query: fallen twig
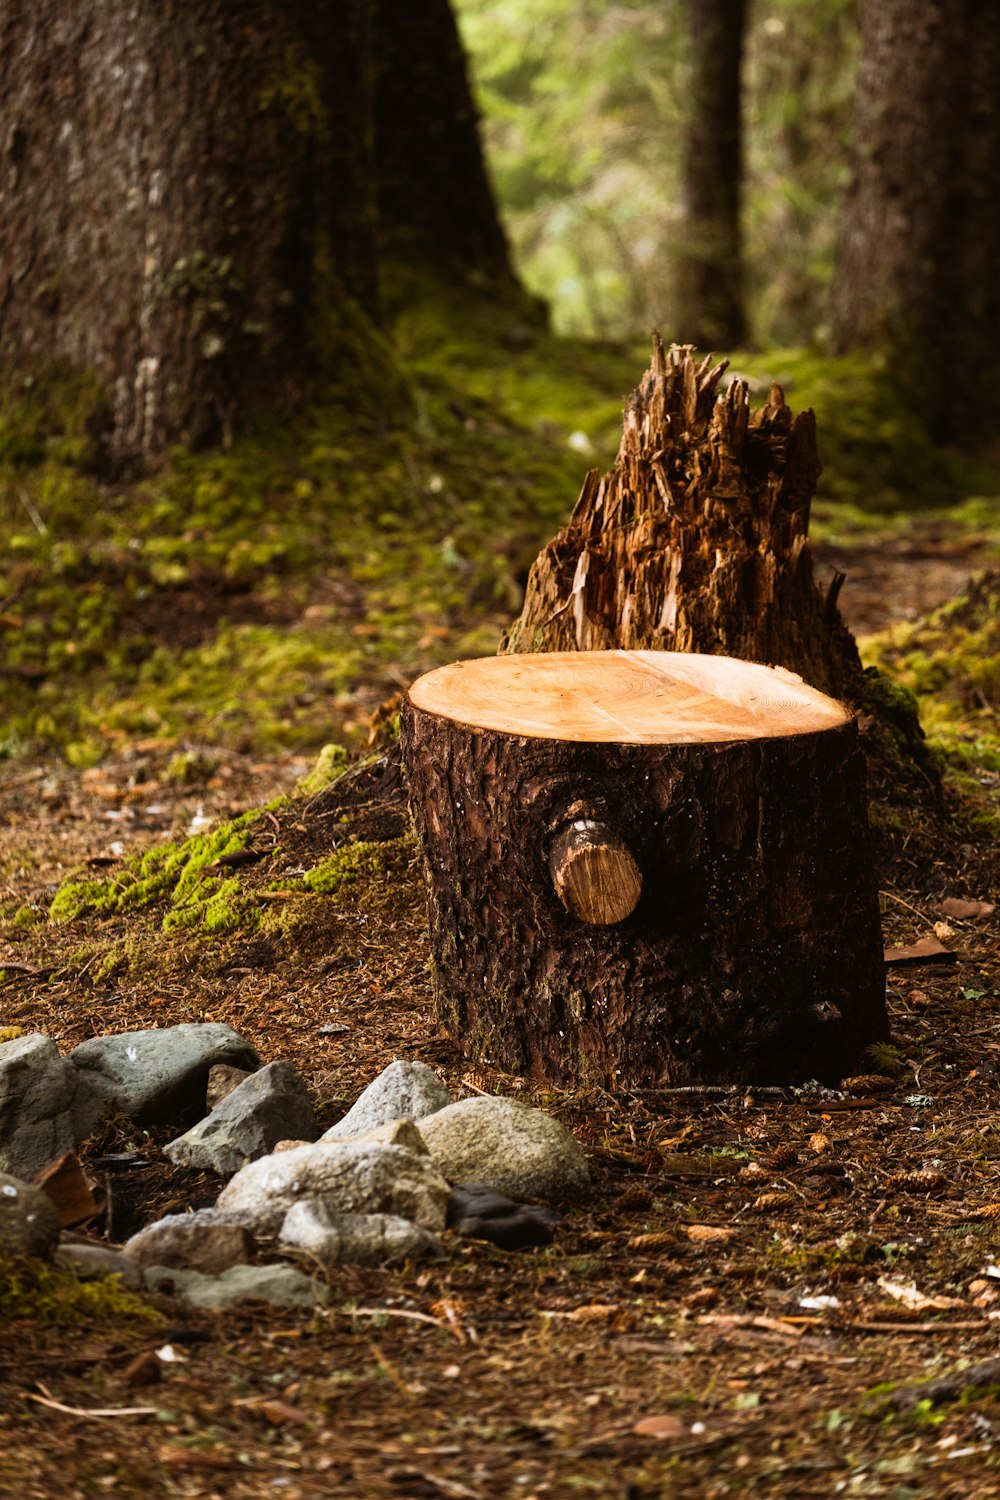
{"x": 47, "y": 1399}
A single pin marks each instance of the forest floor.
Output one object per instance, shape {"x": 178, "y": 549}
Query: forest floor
{"x": 173, "y": 652}
{"x": 638, "y": 1357}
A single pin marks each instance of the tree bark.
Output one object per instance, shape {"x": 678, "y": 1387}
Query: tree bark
{"x": 727, "y": 928}
{"x": 190, "y": 195}
{"x": 696, "y": 540}
{"x": 710, "y": 303}
{"x": 180, "y": 188}
{"x": 435, "y": 203}
{"x": 920, "y": 236}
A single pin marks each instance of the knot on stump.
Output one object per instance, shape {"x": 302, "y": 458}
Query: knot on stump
{"x": 594, "y": 873}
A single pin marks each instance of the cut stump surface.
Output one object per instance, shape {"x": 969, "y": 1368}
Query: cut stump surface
{"x": 645, "y": 866}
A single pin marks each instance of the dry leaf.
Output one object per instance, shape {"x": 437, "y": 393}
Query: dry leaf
{"x": 926, "y": 951}
{"x": 65, "y": 1183}
{"x": 172, "y": 1456}
{"x": 664, "y": 1427}
{"x": 752, "y": 1172}
{"x": 964, "y": 911}
{"x": 708, "y": 1234}
{"x": 592, "y": 1312}
{"x": 906, "y": 1293}
{"x": 278, "y": 1413}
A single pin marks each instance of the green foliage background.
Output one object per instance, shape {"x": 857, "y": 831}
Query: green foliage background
{"x": 583, "y": 105}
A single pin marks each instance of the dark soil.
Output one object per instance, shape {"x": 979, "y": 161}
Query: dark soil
{"x": 641, "y": 1355}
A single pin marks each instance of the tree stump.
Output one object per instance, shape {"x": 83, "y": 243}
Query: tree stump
{"x": 645, "y": 868}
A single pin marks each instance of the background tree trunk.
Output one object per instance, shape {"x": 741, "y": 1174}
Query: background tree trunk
{"x": 180, "y": 185}
{"x": 189, "y": 194}
{"x": 710, "y": 307}
{"x": 921, "y": 222}
{"x": 697, "y": 538}
{"x": 435, "y": 203}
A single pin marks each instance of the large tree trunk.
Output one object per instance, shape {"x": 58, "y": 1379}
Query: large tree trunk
{"x": 180, "y": 187}
{"x": 920, "y": 240}
{"x": 190, "y": 192}
{"x": 645, "y": 867}
{"x": 697, "y": 538}
{"x": 710, "y": 307}
{"x": 436, "y": 207}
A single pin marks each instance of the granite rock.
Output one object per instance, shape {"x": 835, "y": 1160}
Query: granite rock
{"x": 268, "y": 1106}
{"x": 204, "y": 1241}
{"x": 507, "y": 1146}
{"x": 29, "y": 1223}
{"x": 158, "y": 1075}
{"x": 38, "y": 1092}
{"x": 402, "y": 1091}
{"x": 349, "y": 1176}
{"x": 280, "y": 1285}
{"x": 355, "y": 1239}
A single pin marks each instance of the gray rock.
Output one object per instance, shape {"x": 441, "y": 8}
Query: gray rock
{"x": 352, "y": 1177}
{"x": 93, "y": 1262}
{"x": 355, "y": 1239}
{"x": 403, "y": 1090}
{"x": 507, "y": 1146}
{"x": 155, "y": 1076}
{"x": 281, "y": 1285}
{"x": 267, "y": 1107}
{"x": 222, "y": 1079}
{"x": 479, "y": 1213}
{"x": 37, "y": 1092}
{"x": 204, "y": 1241}
{"x": 29, "y": 1223}
{"x": 396, "y": 1133}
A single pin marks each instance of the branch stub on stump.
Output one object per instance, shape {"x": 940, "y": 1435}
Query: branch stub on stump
{"x": 645, "y": 866}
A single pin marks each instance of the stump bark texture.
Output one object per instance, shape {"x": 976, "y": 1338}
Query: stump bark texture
{"x": 696, "y": 539}
{"x": 645, "y": 867}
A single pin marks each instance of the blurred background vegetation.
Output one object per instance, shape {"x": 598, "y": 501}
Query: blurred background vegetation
{"x": 584, "y": 109}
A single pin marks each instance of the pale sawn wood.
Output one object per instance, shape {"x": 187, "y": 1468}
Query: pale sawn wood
{"x": 626, "y": 697}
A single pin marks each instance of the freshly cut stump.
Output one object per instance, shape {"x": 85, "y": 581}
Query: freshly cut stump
{"x": 645, "y": 867}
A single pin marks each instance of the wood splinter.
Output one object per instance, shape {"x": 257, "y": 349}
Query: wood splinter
{"x": 594, "y": 873}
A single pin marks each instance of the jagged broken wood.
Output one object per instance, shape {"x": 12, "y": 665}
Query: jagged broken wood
{"x": 645, "y": 867}
{"x": 696, "y": 539}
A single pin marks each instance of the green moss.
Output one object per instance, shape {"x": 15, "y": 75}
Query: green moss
{"x": 356, "y": 861}
{"x": 295, "y": 92}
{"x": 881, "y": 1058}
{"x": 44, "y": 1293}
{"x": 330, "y": 763}
{"x": 10, "y": 1033}
{"x": 176, "y": 873}
{"x": 948, "y": 664}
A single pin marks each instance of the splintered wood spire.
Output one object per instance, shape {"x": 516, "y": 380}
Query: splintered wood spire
{"x": 696, "y": 540}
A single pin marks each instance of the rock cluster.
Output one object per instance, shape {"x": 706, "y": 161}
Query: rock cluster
{"x": 405, "y": 1163}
